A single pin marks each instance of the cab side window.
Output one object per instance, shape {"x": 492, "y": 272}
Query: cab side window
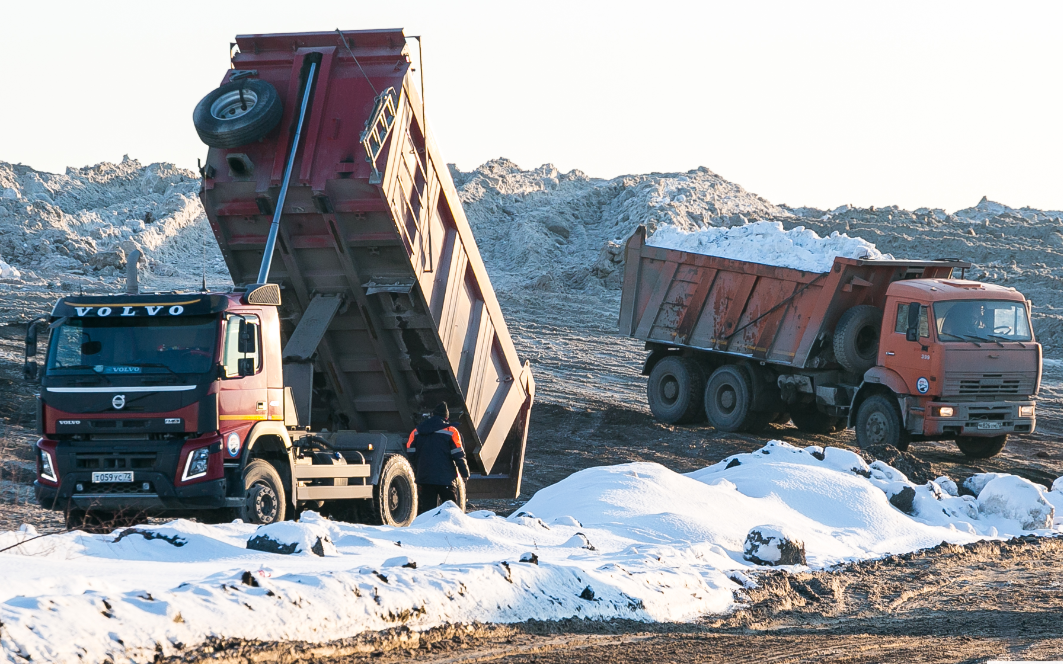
{"x": 902, "y": 320}
{"x": 243, "y": 349}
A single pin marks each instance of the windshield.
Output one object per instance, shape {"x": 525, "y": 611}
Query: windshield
{"x": 134, "y": 345}
{"x": 981, "y": 320}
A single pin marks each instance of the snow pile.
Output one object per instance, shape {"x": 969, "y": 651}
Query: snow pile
{"x": 553, "y": 230}
{"x": 8, "y": 272}
{"x": 632, "y": 541}
{"x": 78, "y": 227}
{"x": 768, "y": 243}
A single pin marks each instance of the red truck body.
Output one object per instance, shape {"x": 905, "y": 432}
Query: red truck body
{"x": 304, "y": 388}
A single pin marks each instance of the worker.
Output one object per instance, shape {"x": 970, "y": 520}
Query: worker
{"x": 435, "y": 451}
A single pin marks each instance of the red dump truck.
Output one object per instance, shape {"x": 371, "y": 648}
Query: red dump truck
{"x": 362, "y": 302}
{"x": 900, "y": 350}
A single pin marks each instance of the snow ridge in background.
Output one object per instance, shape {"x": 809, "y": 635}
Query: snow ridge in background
{"x": 766, "y": 242}
{"x": 76, "y": 228}
{"x": 634, "y": 541}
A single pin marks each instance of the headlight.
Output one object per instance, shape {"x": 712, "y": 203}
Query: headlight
{"x": 1025, "y": 411}
{"x": 232, "y": 443}
{"x": 47, "y": 467}
{"x": 196, "y": 466}
{"x": 946, "y": 411}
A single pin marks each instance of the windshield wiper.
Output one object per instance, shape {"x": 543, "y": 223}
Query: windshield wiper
{"x": 997, "y": 336}
{"x": 95, "y": 374}
{"x": 950, "y": 334}
{"x": 153, "y": 365}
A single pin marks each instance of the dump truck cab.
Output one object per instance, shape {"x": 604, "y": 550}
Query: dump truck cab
{"x": 962, "y": 357}
{"x": 166, "y": 387}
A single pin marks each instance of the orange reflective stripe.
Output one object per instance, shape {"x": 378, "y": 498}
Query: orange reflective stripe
{"x": 454, "y": 436}
{"x": 410, "y": 440}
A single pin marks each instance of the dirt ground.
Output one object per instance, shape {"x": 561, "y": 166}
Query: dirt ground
{"x": 951, "y": 604}
{"x": 974, "y": 603}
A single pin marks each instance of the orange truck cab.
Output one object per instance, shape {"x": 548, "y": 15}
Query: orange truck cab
{"x": 962, "y": 358}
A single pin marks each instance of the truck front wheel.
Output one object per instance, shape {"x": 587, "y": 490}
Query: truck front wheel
{"x": 981, "y": 448}
{"x": 674, "y": 390}
{"x": 728, "y": 399}
{"x": 265, "y": 502}
{"x": 878, "y": 422}
{"x": 395, "y": 494}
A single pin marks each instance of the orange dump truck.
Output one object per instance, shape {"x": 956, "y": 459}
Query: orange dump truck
{"x": 898, "y": 349}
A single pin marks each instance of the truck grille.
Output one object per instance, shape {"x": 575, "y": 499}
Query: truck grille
{"x": 989, "y": 384}
{"x": 112, "y": 462}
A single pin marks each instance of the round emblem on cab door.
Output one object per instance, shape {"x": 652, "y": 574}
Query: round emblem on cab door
{"x": 923, "y": 385}
{"x": 118, "y": 401}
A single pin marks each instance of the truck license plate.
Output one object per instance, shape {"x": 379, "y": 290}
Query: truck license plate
{"x": 981, "y": 425}
{"x": 112, "y": 477}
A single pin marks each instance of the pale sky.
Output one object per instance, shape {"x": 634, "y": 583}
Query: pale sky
{"x": 806, "y": 103}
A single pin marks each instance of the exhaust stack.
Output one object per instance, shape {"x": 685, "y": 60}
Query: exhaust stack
{"x": 131, "y": 285}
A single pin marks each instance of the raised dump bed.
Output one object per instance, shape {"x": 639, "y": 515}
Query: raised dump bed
{"x": 375, "y": 246}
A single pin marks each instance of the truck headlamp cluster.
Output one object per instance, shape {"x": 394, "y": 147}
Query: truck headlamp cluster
{"x": 1026, "y": 411}
{"x": 47, "y": 467}
{"x": 196, "y": 466}
{"x": 232, "y": 444}
{"x": 945, "y": 411}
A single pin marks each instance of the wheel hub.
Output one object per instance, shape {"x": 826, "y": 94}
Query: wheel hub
{"x": 264, "y": 503}
{"x": 877, "y": 428}
{"x": 233, "y": 104}
{"x": 726, "y": 399}
{"x": 670, "y": 389}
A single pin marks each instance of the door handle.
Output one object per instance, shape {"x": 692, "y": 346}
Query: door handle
{"x": 890, "y": 352}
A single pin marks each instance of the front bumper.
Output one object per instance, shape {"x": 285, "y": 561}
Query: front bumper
{"x": 982, "y": 419}
{"x": 154, "y": 465}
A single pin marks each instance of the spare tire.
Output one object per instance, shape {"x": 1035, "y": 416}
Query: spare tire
{"x": 674, "y": 390}
{"x": 237, "y": 113}
{"x": 856, "y": 338}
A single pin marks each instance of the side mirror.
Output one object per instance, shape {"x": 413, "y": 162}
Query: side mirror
{"x": 29, "y": 369}
{"x": 246, "y": 366}
{"x": 246, "y": 343}
{"x": 912, "y": 333}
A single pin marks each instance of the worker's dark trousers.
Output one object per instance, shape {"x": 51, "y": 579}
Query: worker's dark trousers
{"x": 430, "y": 496}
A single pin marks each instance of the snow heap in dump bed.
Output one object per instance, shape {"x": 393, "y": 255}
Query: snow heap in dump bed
{"x": 634, "y": 541}
{"x": 768, "y": 243}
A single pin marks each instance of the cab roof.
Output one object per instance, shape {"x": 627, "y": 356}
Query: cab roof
{"x": 953, "y": 289}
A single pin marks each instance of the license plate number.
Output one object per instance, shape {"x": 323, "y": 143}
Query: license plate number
{"x": 112, "y": 477}
{"x": 989, "y": 425}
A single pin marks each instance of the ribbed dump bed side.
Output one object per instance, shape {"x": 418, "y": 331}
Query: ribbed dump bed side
{"x": 416, "y": 321}
{"x": 773, "y": 314}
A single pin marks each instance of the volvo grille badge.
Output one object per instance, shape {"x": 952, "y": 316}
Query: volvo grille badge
{"x": 118, "y": 401}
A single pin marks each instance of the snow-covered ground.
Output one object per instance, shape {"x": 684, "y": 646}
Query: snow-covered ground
{"x": 629, "y": 541}
{"x": 767, "y": 242}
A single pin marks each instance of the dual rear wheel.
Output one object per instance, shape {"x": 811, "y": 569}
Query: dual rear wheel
{"x": 679, "y": 394}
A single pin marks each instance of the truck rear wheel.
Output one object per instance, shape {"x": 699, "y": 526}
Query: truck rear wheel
{"x": 856, "y": 338}
{"x": 810, "y": 420}
{"x": 265, "y": 502}
{"x": 395, "y": 494}
{"x": 878, "y": 422}
{"x": 237, "y": 113}
{"x": 728, "y": 399}
{"x": 981, "y": 448}
{"x": 674, "y": 390}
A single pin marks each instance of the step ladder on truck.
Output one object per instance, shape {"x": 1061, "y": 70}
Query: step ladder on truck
{"x": 362, "y": 301}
